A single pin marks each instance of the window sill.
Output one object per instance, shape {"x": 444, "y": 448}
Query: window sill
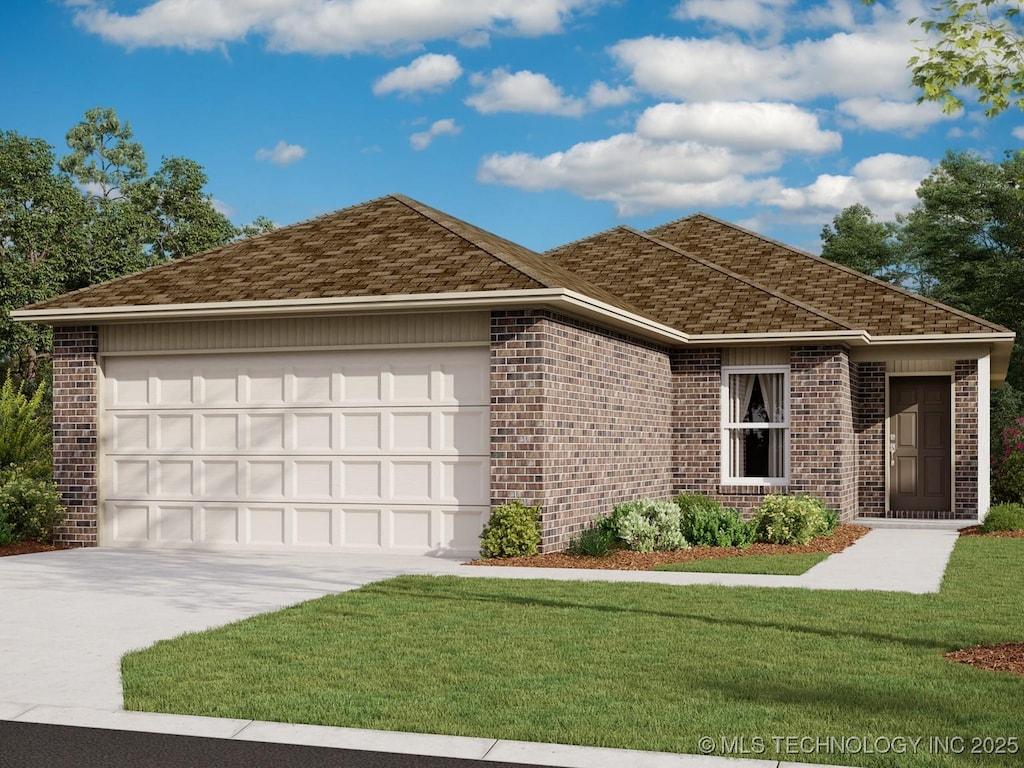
{"x": 753, "y": 489}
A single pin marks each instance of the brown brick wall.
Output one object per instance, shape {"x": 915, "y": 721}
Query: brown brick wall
{"x": 822, "y": 438}
{"x": 581, "y": 419}
{"x": 965, "y": 405}
{"x": 823, "y": 445}
{"x": 870, "y": 427}
{"x": 75, "y": 413}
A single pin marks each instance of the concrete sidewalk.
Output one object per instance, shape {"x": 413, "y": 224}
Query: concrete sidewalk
{"x": 69, "y": 617}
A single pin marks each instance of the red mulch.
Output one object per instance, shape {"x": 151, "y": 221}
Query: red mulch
{"x": 28, "y": 548}
{"x": 975, "y": 530}
{"x": 1001, "y": 657}
{"x": 624, "y": 560}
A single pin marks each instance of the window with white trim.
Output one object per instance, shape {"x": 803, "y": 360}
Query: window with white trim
{"x": 755, "y": 425}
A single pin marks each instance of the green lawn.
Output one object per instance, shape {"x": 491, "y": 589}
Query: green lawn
{"x": 778, "y": 565}
{"x": 641, "y": 666}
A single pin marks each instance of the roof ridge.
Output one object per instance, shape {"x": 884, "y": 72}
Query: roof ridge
{"x": 741, "y": 278}
{"x": 906, "y": 293}
{"x": 583, "y": 239}
{"x": 425, "y": 210}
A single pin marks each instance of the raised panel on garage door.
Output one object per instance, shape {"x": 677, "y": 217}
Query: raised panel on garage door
{"x": 382, "y": 450}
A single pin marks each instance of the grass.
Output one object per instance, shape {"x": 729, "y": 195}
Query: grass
{"x": 778, "y": 565}
{"x": 639, "y": 666}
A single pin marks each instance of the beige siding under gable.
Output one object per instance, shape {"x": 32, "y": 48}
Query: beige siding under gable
{"x": 919, "y": 366}
{"x": 297, "y": 333}
{"x": 755, "y": 356}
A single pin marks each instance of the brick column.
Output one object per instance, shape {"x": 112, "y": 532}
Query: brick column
{"x": 869, "y": 398}
{"x": 75, "y": 431}
{"x": 965, "y": 405}
{"x": 823, "y": 446}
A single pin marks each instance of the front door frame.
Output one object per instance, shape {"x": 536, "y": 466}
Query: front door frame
{"x": 950, "y": 377}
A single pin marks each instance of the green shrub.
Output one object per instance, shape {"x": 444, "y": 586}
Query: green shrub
{"x": 645, "y": 525}
{"x": 831, "y": 522}
{"x": 706, "y": 523}
{"x": 1004, "y": 517}
{"x": 32, "y": 508}
{"x": 512, "y": 531}
{"x": 790, "y": 519}
{"x": 1008, "y": 465}
{"x": 6, "y": 530}
{"x": 24, "y": 431}
{"x": 592, "y": 542}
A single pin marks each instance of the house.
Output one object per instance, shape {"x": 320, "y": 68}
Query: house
{"x": 376, "y": 378}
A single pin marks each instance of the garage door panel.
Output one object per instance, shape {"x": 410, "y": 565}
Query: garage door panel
{"x": 364, "y": 450}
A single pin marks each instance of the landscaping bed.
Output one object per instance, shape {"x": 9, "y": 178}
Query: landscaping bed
{"x": 27, "y": 548}
{"x": 627, "y": 560}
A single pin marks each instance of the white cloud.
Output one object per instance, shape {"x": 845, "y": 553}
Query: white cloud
{"x": 281, "y": 153}
{"x": 1018, "y": 132}
{"x": 882, "y": 115}
{"x": 869, "y": 61}
{"x": 430, "y": 72}
{"x": 886, "y": 183}
{"x": 475, "y": 39}
{"x": 446, "y": 127}
{"x": 638, "y": 174}
{"x": 321, "y": 26}
{"x": 523, "y": 91}
{"x": 767, "y": 16}
{"x": 603, "y": 95}
{"x": 744, "y": 125}
{"x": 222, "y": 208}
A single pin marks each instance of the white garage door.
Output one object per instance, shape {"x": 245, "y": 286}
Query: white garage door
{"x": 354, "y": 450}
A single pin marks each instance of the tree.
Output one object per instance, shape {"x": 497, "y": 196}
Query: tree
{"x": 95, "y": 215}
{"x": 964, "y": 238}
{"x": 979, "y": 45}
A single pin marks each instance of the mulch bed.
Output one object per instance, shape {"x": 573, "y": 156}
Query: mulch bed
{"x": 1001, "y": 657}
{"x": 975, "y": 530}
{"x": 27, "y": 548}
{"x": 624, "y": 560}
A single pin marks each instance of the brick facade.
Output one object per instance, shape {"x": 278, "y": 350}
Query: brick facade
{"x": 869, "y": 393}
{"x": 823, "y": 444}
{"x": 581, "y": 419}
{"x": 75, "y": 433}
{"x": 965, "y": 408}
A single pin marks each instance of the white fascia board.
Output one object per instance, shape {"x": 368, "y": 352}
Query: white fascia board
{"x": 984, "y": 439}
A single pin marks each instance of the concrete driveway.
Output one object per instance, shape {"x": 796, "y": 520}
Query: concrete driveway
{"x": 66, "y": 618}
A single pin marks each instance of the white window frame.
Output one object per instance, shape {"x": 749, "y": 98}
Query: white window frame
{"x": 727, "y": 426}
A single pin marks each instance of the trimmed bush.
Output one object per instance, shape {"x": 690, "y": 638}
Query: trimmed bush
{"x": 791, "y": 519}
{"x": 646, "y": 525}
{"x": 705, "y": 522}
{"x": 1004, "y": 517}
{"x": 31, "y": 507}
{"x": 593, "y": 542}
{"x": 512, "y": 531}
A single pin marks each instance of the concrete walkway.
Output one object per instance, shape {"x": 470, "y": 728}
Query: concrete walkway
{"x": 69, "y": 616}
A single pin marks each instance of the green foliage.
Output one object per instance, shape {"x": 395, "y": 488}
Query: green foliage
{"x": 6, "y": 530}
{"x": 704, "y": 522}
{"x": 790, "y": 519}
{"x": 512, "y": 531}
{"x": 592, "y": 542}
{"x": 646, "y": 525}
{"x": 31, "y": 507}
{"x": 1004, "y": 517}
{"x": 857, "y": 240}
{"x": 1008, "y": 465}
{"x": 24, "y": 431}
{"x": 93, "y": 216}
{"x": 974, "y": 44}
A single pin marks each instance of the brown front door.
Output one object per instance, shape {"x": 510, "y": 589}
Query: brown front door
{"x": 919, "y": 444}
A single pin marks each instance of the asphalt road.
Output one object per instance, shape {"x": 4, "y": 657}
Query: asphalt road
{"x": 30, "y": 745}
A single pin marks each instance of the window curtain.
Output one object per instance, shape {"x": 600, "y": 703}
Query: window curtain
{"x": 741, "y": 390}
{"x": 775, "y": 404}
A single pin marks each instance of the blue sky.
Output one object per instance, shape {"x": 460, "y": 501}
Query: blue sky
{"x": 541, "y": 120}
